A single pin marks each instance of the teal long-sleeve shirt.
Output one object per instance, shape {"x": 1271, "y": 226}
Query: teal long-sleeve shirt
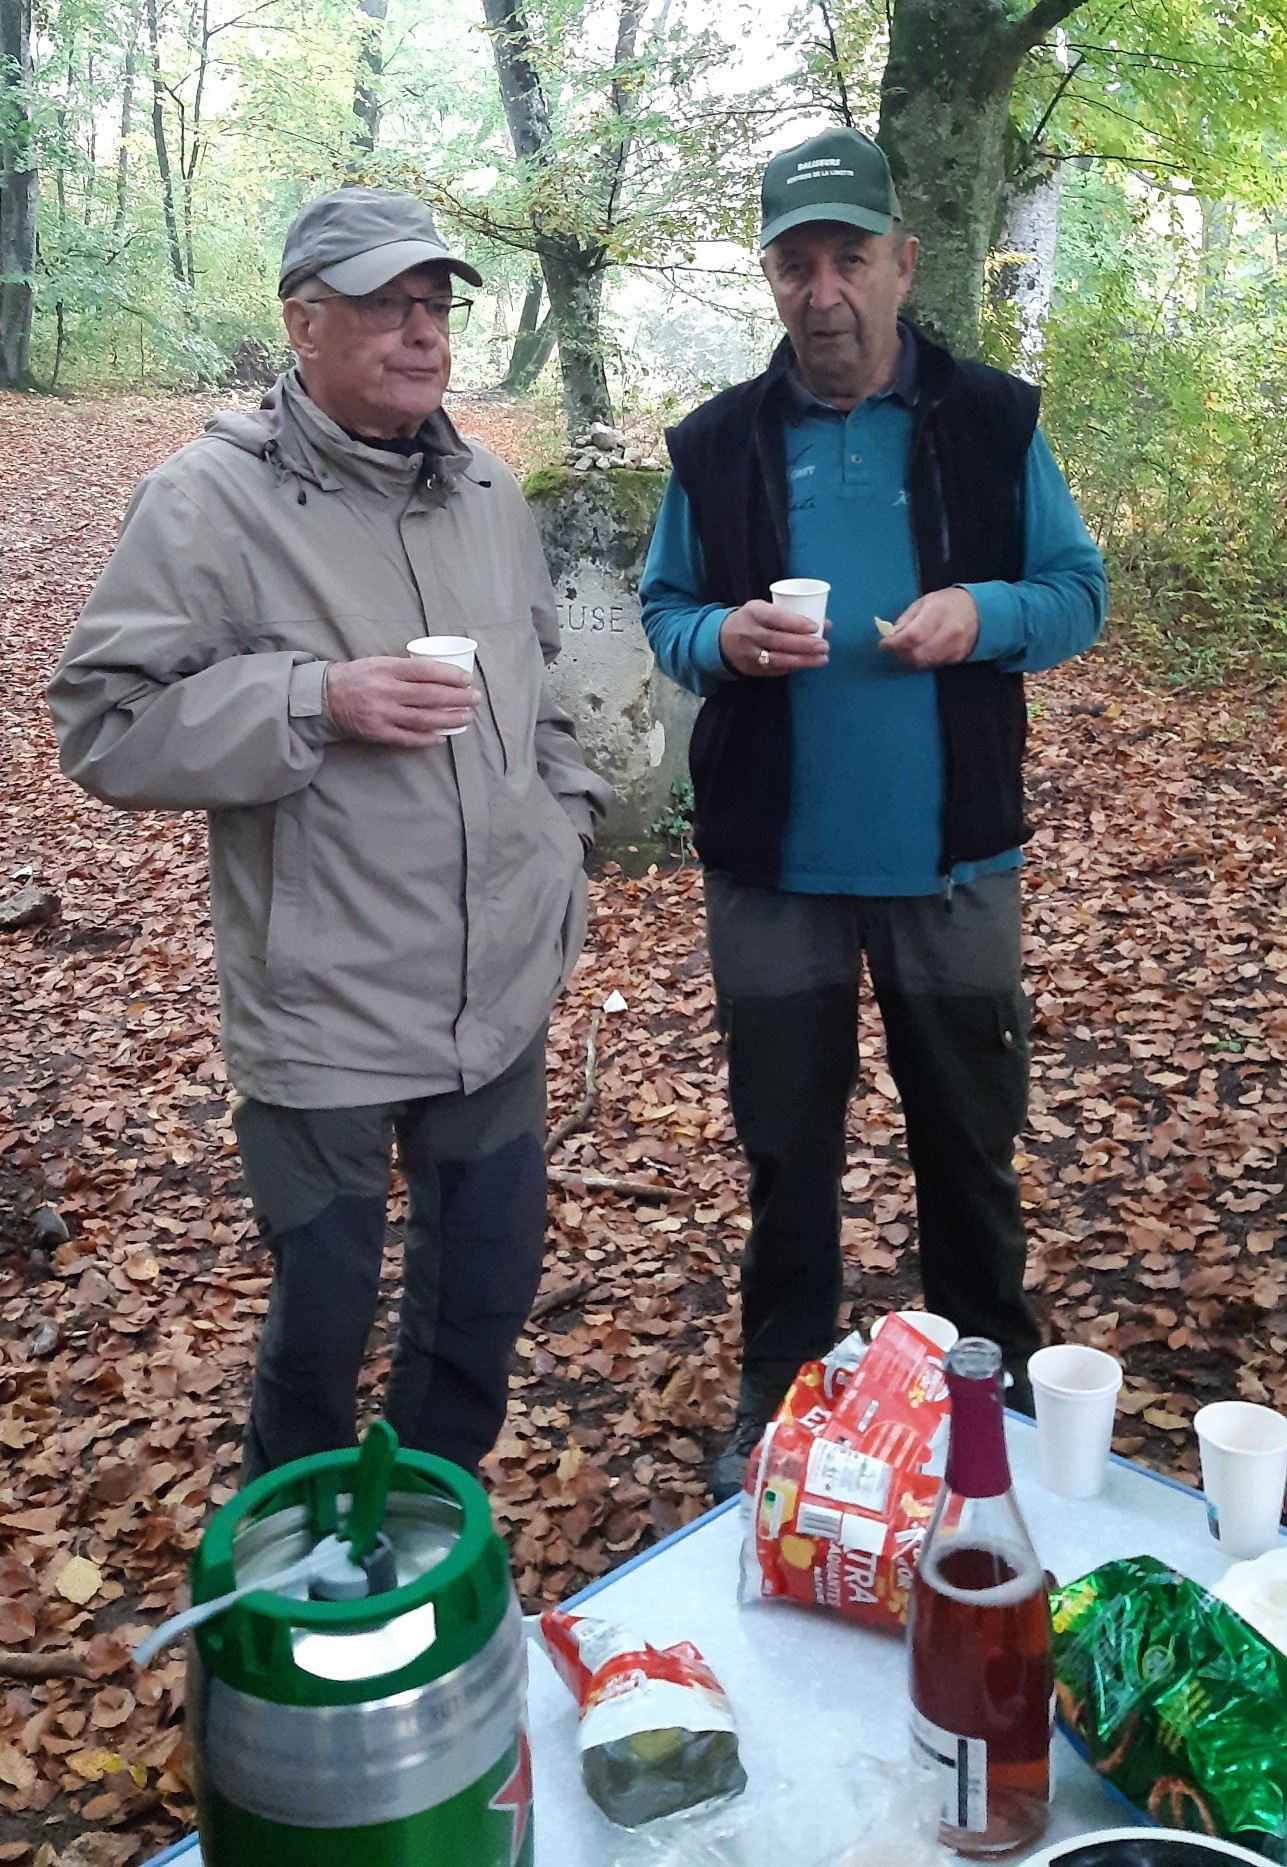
{"x": 867, "y": 756}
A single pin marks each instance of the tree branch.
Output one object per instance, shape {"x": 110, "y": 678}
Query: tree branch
{"x": 1064, "y": 83}
{"x": 1040, "y": 20}
{"x": 836, "y": 65}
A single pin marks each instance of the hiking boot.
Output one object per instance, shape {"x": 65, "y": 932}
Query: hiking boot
{"x": 729, "y": 1467}
{"x": 760, "y": 1395}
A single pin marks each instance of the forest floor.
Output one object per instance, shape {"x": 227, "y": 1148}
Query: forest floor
{"x": 1152, "y": 1169}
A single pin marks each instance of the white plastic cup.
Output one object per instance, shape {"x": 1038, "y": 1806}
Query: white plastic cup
{"x": 803, "y": 596}
{"x": 1243, "y": 1449}
{"x": 942, "y": 1333}
{"x": 456, "y": 650}
{"x": 1074, "y": 1392}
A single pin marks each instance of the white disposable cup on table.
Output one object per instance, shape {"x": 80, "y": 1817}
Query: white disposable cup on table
{"x": 456, "y": 650}
{"x": 1074, "y": 1393}
{"x": 1243, "y": 1449}
{"x": 803, "y": 596}
{"x": 940, "y": 1331}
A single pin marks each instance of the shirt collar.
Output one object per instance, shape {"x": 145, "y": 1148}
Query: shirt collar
{"x": 903, "y": 386}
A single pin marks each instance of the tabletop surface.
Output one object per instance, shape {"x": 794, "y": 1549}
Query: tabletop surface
{"x": 810, "y": 1691}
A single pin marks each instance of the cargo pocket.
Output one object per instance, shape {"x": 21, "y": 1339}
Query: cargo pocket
{"x": 1013, "y": 1016}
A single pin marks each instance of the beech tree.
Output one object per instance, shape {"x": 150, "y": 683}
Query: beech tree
{"x": 944, "y": 114}
{"x": 614, "y": 152}
{"x": 17, "y": 191}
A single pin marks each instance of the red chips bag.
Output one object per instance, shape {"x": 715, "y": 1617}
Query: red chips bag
{"x": 843, "y": 1489}
{"x": 656, "y": 1732}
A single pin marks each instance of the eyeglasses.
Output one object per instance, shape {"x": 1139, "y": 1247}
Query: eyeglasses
{"x": 389, "y": 311}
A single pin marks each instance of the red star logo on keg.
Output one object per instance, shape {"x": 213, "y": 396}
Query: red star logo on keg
{"x": 514, "y": 1797}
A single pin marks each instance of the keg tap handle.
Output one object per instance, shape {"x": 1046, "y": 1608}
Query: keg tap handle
{"x": 370, "y": 1489}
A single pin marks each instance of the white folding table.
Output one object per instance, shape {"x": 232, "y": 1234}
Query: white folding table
{"x": 807, "y": 1689}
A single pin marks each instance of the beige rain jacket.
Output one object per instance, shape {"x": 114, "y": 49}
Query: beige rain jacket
{"x": 388, "y": 923}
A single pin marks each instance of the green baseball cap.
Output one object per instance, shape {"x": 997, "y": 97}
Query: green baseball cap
{"x": 357, "y": 239}
{"x": 840, "y": 175}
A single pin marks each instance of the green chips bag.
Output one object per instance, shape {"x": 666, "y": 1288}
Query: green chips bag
{"x": 1179, "y": 1703}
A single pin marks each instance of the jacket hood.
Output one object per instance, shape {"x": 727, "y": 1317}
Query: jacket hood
{"x": 290, "y": 431}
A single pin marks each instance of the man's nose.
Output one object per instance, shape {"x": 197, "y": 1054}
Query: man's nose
{"x": 420, "y": 328}
{"x": 825, "y": 283}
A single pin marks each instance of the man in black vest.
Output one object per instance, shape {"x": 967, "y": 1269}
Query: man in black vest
{"x": 859, "y": 791}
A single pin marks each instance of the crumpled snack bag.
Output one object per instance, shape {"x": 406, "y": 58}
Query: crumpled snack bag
{"x": 1177, "y": 1701}
{"x": 847, "y": 1479}
{"x": 656, "y": 1732}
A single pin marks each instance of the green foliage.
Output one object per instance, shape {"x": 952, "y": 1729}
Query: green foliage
{"x": 1166, "y": 399}
{"x": 675, "y": 824}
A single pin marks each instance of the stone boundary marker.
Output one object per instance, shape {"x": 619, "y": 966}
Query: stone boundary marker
{"x": 633, "y": 723}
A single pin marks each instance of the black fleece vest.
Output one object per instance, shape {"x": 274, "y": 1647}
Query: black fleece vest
{"x": 972, "y": 427}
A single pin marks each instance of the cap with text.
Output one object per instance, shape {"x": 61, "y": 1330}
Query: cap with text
{"x": 840, "y": 175}
{"x": 357, "y": 239}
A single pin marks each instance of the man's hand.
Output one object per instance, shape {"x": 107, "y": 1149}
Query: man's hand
{"x": 936, "y": 630}
{"x": 761, "y": 640}
{"x": 408, "y": 702}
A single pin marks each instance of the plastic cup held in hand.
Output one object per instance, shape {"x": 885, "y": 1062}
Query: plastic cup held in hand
{"x": 1074, "y": 1391}
{"x": 1244, "y": 1469}
{"x": 802, "y": 596}
{"x": 456, "y": 650}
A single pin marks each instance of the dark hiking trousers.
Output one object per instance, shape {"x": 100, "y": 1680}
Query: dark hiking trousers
{"x": 946, "y": 975}
{"x": 473, "y": 1243}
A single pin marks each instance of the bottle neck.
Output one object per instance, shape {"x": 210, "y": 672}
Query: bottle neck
{"x": 977, "y": 1463}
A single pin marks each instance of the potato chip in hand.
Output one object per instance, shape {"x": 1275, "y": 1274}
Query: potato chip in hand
{"x": 883, "y": 627}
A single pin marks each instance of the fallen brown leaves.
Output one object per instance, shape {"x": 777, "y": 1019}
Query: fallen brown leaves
{"x": 1152, "y": 1171}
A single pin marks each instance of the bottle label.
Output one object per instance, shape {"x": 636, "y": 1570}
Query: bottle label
{"x": 960, "y": 1765}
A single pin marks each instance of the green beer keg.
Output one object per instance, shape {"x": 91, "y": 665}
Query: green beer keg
{"x": 381, "y": 1731}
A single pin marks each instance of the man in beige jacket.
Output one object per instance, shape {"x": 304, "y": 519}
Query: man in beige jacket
{"x": 396, "y": 902}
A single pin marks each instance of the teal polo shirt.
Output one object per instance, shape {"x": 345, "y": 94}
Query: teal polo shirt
{"x": 867, "y": 774}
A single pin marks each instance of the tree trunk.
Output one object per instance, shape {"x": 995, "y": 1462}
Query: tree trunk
{"x": 533, "y": 341}
{"x": 1025, "y": 258}
{"x": 127, "y": 121}
{"x": 574, "y": 281}
{"x": 64, "y": 110}
{"x": 573, "y": 269}
{"x": 162, "y": 149}
{"x": 191, "y": 157}
{"x": 366, "y": 94}
{"x": 1218, "y": 219}
{"x": 944, "y": 108}
{"x": 17, "y": 193}
{"x": 60, "y": 325}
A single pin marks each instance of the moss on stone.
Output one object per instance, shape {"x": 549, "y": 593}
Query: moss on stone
{"x": 605, "y": 516}
{"x": 545, "y": 481}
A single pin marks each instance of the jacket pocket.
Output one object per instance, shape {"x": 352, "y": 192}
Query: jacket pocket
{"x": 283, "y": 946}
{"x": 511, "y": 669}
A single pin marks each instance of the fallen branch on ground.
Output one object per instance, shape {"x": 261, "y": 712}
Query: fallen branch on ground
{"x": 561, "y": 1298}
{"x": 66, "y": 1663}
{"x": 604, "y": 1183}
{"x": 581, "y": 1117}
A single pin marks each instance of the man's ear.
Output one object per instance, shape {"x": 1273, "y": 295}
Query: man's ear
{"x": 297, "y": 316}
{"x": 907, "y": 265}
